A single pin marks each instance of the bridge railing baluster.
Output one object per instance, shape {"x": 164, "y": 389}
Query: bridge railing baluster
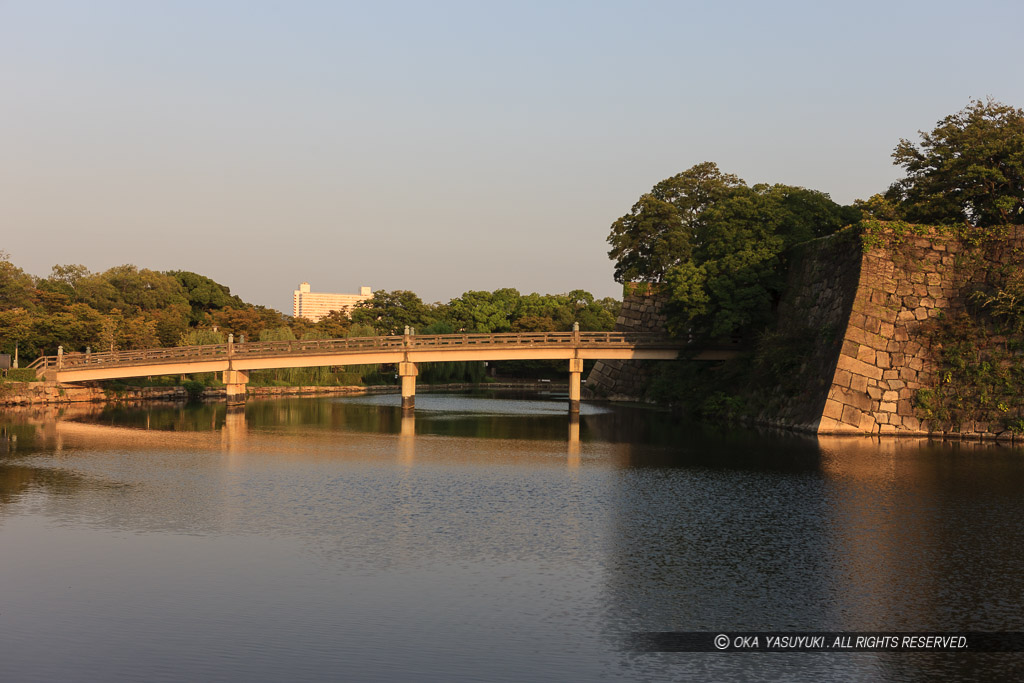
{"x": 328, "y": 346}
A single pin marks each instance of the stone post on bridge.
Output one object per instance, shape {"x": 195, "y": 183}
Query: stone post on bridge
{"x": 408, "y": 371}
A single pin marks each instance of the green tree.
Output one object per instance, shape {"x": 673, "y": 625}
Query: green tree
{"x": 118, "y": 331}
{"x": 738, "y": 266}
{"x": 203, "y": 294}
{"x": 534, "y": 323}
{"x": 660, "y": 230}
{"x": 334, "y": 325}
{"x": 130, "y": 290}
{"x": 201, "y": 337}
{"x": 970, "y": 168}
{"x": 483, "y": 311}
{"x": 16, "y": 328}
{"x": 282, "y": 333}
{"x": 16, "y": 287}
{"x": 249, "y": 321}
{"x": 65, "y": 279}
{"x": 648, "y": 241}
{"x": 879, "y": 207}
{"x": 391, "y": 312}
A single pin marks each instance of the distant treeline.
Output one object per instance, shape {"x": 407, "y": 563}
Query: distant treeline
{"x": 136, "y": 308}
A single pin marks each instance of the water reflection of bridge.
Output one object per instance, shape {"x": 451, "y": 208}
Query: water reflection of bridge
{"x": 236, "y": 360}
{"x": 229, "y": 430}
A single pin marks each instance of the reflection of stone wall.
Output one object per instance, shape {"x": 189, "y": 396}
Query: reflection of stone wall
{"x": 628, "y": 379}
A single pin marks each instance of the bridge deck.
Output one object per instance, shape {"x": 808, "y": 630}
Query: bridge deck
{"x": 72, "y": 367}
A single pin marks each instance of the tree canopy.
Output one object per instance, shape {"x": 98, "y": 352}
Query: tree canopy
{"x": 718, "y": 246}
{"x": 660, "y": 231}
{"x": 127, "y": 307}
{"x": 969, "y": 168}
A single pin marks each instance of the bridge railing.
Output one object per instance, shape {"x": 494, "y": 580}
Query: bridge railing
{"x": 293, "y": 347}
{"x": 314, "y": 347}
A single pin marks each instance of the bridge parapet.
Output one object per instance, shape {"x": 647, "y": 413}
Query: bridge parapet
{"x": 355, "y": 345}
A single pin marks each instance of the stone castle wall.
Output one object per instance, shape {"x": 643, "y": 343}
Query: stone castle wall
{"x": 42, "y": 393}
{"x": 866, "y": 313}
{"x": 627, "y": 380}
{"x": 820, "y": 288}
{"x": 885, "y": 357}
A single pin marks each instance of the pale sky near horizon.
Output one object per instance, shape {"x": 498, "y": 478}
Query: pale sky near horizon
{"x": 446, "y": 146}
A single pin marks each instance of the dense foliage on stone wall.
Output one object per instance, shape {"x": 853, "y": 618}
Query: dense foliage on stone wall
{"x": 978, "y": 349}
{"x": 718, "y": 246}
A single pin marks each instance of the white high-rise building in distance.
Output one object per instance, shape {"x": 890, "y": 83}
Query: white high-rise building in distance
{"x": 315, "y": 305}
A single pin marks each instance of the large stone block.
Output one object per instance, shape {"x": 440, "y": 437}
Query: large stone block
{"x": 866, "y": 354}
{"x": 851, "y": 416}
{"x": 857, "y": 399}
{"x": 827, "y": 425}
{"x": 859, "y": 384}
{"x": 833, "y": 409}
{"x": 862, "y": 336}
{"x": 905, "y": 316}
{"x": 858, "y": 367}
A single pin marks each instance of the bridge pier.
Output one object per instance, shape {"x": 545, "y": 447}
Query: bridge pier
{"x": 235, "y": 382}
{"x": 575, "y": 373}
{"x": 408, "y": 371}
{"x": 574, "y": 440}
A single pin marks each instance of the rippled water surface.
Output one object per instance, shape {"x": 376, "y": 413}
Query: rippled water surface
{"x": 488, "y": 538}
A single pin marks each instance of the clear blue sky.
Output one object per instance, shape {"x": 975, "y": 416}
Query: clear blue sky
{"x": 446, "y": 146}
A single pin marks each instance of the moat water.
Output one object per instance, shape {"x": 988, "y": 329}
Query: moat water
{"x": 486, "y": 539}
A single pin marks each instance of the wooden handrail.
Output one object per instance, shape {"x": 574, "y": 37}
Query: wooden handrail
{"x": 314, "y": 347}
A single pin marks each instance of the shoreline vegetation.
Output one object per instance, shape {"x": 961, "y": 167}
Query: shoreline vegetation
{"x": 128, "y": 308}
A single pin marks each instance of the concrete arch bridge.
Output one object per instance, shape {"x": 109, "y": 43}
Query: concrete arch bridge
{"x": 235, "y": 360}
